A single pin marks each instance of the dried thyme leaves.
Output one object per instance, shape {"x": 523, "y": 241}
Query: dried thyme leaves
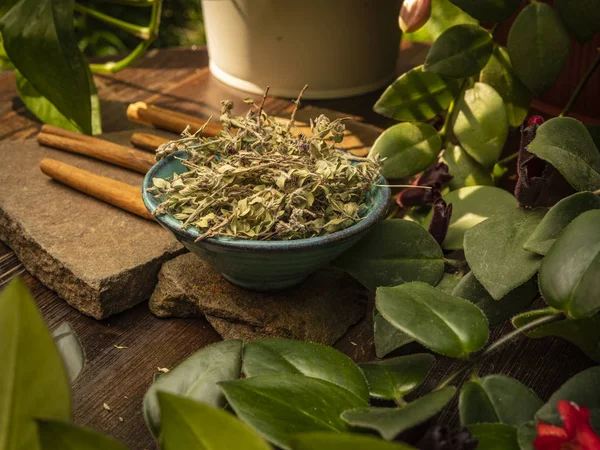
{"x": 259, "y": 181}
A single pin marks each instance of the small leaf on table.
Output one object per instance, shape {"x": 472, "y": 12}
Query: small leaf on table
{"x": 407, "y": 149}
{"x": 582, "y": 17}
{"x": 570, "y": 273}
{"x": 566, "y": 144}
{"x": 395, "y": 377}
{"x": 188, "y": 424}
{"x": 196, "y": 378}
{"x": 70, "y": 349}
{"x": 417, "y": 95}
{"x": 445, "y": 324}
{"x": 495, "y": 253}
{"x": 460, "y": 51}
{"x": 559, "y": 216}
{"x": 276, "y": 356}
{"x": 538, "y": 45}
{"x": 390, "y": 422}
{"x": 56, "y": 435}
{"x": 394, "y": 252}
{"x": 488, "y": 11}
{"x": 464, "y": 169}
{"x": 279, "y": 406}
{"x": 495, "y": 436}
{"x": 387, "y": 337}
{"x": 497, "y": 398}
{"x": 481, "y": 123}
{"x": 343, "y": 441}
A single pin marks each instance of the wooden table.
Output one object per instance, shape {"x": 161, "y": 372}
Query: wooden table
{"x": 179, "y": 79}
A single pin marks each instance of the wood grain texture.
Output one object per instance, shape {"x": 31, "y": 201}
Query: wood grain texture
{"x": 177, "y": 79}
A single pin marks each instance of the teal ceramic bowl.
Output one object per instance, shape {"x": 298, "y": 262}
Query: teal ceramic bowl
{"x": 263, "y": 265}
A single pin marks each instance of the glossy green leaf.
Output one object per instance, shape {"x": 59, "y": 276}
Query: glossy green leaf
{"x": 582, "y": 389}
{"x": 538, "y": 45}
{"x": 445, "y": 324}
{"x": 65, "y": 436}
{"x": 394, "y": 252}
{"x": 496, "y": 311}
{"x": 342, "y": 441}
{"x": 497, "y": 398}
{"x": 188, "y": 424}
{"x": 481, "y": 124}
{"x": 465, "y": 170}
{"x": 279, "y": 406}
{"x": 196, "y": 378}
{"x": 33, "y": 380}
{"x": 570, "y": 273}
{"x": 387, "y": 337}
{"x": 53, "y": 63}
{"x": 407, "y": 149}
{"x": 566, "y": 144}
{"x": 417, "y": 95}
{"x": 70, "y": 349}
{"x": 395, "y": 377}
{"x": 582, "y": 17}
{"x": 449, "y": 282}
{"x": 460, "y": 51}
{"x": 444, "y": 15}
{"x": 488, "y": 11}
{"x": 559, "y": 216}
{"x": 526, "y": 433}
{"x": 471, "y": 206}
{"x": 390, "y": 422}
{"x": 584, "y": 333}
{"x": 275, "y": 356}
{"x": 495, "y": 253}
{"x": 495, "y": 436}
{"x": 499, "y": 74}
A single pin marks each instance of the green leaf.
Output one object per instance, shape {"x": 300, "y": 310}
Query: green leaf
{"x": 499, "y": 74}
{"x": 582, "y": 17}
{"x": 196, "y": 378}
{"x": 407, "y": 149}
{"x": 570, "y": 273}
{"x": 567, "y": 145}
{"x": 390, "y": 422}
{"x": 6, "y": 6}
{"x": 387, "y": 337}
{"x": 526, "y": 434}
{"x": 497, "y": 398}
{"x": 496, "y": 311}
{"x": 488, "y": 11}
{"x": 188, "y": 424}
{"x": 395, "y": 377}
{"x": 584, "y": 333}
{"x": 559, "y": 216}
{"x": 464, "y": 169}
{"x": 56, "y": 435}
{"x": 445, "y": 324}
{"x": 33, "y": 380}
{"x": 471, "y": 206}
{"x": 495, "y": 253}
{"x": 52, "y": 62}
{"x": 460, "y": 51}
{"x": 342, "y": 441}
{"x": 70, "y": 349}
{"x": 383, "y": 259}
{"x": 582, "y": 389}
{"x": 276, "y": 356}
{"x": 444, "y": 15}
{"x": 417, "y": 95}
{"x": 538, "y": 45}
{"x": 481, "y": 124}
{"x": 279, "y": 406}
{"x": 495, "y": 436}
{"x": 449, "y": 282}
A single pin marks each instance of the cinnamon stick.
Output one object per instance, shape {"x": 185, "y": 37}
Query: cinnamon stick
{"x": 147, "y": 141}
{"x": 169, "y": 120}
{"x": 121, "y": 195}
{"x": 119, "y": 155}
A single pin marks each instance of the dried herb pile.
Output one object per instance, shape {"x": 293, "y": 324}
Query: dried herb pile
{"x": 258, "y": 180}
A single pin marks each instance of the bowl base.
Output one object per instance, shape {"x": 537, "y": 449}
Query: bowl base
{"x": 265, "y": 285}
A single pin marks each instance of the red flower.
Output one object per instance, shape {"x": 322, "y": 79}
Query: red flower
{"x": 577, "y": 433}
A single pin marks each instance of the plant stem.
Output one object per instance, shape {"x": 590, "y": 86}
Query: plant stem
{"x": 444, "y": 129}
{"x": 508, "y": 159}
{"x": 581, "y": 85}
{"x": 136, "y": 30}
{"x": 400, "y": 402}
{"x": 138, "y": 3}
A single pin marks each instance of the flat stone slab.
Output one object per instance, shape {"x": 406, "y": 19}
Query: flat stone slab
{"x": 100, "y": 259}
{"x": 319, "y": 310}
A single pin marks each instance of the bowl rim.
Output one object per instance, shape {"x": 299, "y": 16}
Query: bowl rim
{"x": 191, "y": 234}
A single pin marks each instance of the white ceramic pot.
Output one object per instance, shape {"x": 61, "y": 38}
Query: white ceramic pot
{"x": 340, "y": 48}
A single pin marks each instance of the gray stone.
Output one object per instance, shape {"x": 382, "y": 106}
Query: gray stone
{"x": 319, "y": 310}
{"x": 100, "y": 259}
